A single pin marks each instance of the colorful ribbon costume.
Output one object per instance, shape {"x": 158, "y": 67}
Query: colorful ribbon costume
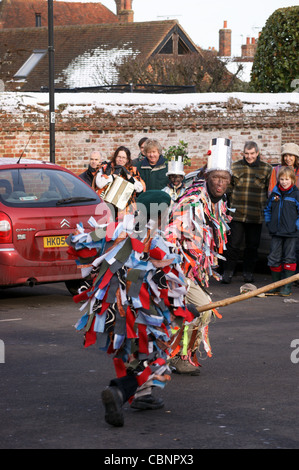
{"x": 198, "y": 227}
{"x": 138, "y": 288}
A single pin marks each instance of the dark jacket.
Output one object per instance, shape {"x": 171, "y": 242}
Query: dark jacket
{"x": 249, "y": 190}
{"x": 282, "y": 212}
{"x": 153, "y": 176}
{"x": 88, "y": 175}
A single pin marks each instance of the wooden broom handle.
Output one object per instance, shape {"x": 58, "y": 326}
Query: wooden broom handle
{"x": 247, "y": 295}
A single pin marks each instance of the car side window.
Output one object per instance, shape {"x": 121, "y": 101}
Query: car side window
{"x": 31, "y": 187}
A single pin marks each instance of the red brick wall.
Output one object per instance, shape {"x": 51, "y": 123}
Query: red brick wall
{"x": 79, "y": 130}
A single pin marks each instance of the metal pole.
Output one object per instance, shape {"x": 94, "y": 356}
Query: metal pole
{"x": 51, "y": 81}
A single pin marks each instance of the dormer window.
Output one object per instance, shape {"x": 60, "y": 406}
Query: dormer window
{"x": 175, "y": 46}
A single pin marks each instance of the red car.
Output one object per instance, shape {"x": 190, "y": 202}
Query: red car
{"x": 40, "y": 205}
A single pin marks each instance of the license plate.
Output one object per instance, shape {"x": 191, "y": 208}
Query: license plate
{"x": 55, "y": 242}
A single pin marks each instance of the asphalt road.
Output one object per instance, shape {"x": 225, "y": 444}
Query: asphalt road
{"x": 246, "y": 396}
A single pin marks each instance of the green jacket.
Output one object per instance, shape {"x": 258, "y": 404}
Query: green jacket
{"x": 249, "y": 190}
{"x": 153, "y": 176}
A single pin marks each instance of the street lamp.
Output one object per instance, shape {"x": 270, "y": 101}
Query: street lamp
{"x": 51, "y": 81}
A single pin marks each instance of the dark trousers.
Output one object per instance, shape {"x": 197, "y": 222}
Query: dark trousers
{"x": 127, "y": 385}
{"x": 283, "y": 251}
{"x": 252, "y": 235}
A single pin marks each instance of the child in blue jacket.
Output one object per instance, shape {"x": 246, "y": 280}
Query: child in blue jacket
{"x": 282, "y": 220}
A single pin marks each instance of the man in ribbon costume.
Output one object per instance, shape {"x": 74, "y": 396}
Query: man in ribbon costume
{"x": 199, "y": 227}
{"x": 138, "y": 292}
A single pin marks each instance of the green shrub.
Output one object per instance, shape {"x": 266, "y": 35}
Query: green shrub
{"x": 276, "y": 65}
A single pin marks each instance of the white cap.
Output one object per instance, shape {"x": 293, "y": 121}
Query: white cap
{"x": 220, "y": 155}
{"x": 176, "y": 167}
{"x": 291, "y": 149}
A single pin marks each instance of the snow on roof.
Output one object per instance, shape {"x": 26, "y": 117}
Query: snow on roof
{"x": 115, "y": 102}
{"x": 96, "y": 67}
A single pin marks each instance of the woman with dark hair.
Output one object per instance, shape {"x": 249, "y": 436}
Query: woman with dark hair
{"x": 120, "y": 165}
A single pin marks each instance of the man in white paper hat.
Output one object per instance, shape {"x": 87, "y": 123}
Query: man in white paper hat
{"x": 198, "y": 227}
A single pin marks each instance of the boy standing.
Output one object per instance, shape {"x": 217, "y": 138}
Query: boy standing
{"x": 282, "y": 219}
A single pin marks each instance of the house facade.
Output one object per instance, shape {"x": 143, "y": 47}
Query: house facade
{"x": 89, "y": 42}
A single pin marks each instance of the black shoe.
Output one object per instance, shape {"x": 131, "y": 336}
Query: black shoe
{"x": 248, "y": 277}
{"x": 227, "y": 277}
{"x": 147, "y": 402}
{"x": 112, "y": 400}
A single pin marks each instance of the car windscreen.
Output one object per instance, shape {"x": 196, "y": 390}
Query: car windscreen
{"x": 43, "y": 187}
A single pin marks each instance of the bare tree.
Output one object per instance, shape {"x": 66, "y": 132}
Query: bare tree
{"x": 206, "y": 72}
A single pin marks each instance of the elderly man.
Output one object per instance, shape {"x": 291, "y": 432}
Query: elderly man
{"x": 94, "y": 163}
{"x": 198, "y": 228}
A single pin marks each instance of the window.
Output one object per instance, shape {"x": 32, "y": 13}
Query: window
{"x": 34, "y": 187}
{"x": 38, "y": 20}
{"x": 175, "y": 45}
{"x": 182, "y": 48}
{"x": 30, "y": 63}
{"x": 167, "y": 48}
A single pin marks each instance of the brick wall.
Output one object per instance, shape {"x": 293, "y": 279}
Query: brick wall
{"x": 96, "y": 122}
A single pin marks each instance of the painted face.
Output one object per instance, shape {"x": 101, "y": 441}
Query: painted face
{"x": 250, "y": 155}
{"x": 285, "y": 181}
{"x": 176, "y": 180}
{"x": 121, "y": 158}
{"x": 289, "y": 159}
{"x": 153, "y": 156}
{"x": 95, "y": 160}
{"x": 218, "y": 182}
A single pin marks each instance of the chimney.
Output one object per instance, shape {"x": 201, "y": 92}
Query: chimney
{"x": 225, "y": 43}
{"x": 249, "y": 49}
{"x": 124, "y": 11}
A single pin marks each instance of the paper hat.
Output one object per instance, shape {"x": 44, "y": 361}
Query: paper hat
{"x": 220, "y": 155}
{"x": 176, "y": 167}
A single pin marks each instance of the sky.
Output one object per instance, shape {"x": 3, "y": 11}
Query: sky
{"x": 202, "y": 19}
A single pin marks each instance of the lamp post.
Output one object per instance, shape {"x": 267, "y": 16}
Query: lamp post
{"x": 51, "y": 81}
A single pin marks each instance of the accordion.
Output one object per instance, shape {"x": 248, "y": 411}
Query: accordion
{"x": 118, "y": 192}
